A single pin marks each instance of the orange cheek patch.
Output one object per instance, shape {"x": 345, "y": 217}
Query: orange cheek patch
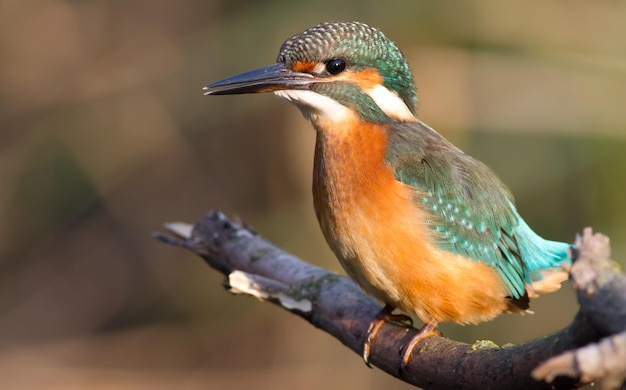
{"x": 366, "y": 78}
{"x": 304, "y": 67}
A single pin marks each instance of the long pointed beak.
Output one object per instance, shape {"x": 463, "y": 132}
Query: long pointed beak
{"x": 270, "y": 78}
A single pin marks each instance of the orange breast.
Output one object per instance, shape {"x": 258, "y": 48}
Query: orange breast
{"x": 374, "y": 226}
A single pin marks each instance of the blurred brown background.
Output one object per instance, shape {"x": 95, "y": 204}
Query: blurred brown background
{"x": 105, "y": 135}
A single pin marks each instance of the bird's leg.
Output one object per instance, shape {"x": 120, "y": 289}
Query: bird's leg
{"x": 428, "y": 330}
{"x": 385, "y": 315}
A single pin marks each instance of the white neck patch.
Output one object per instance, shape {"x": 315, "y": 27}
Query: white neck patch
{"x": 317, "y": 107}
{"x": 391, "y": 104}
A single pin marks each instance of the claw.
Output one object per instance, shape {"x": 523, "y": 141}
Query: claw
{"x": 428, "y": 330}
{"x": 385, "y": 315}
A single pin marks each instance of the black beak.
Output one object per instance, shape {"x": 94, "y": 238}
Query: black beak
{"x": 270, "y": 78}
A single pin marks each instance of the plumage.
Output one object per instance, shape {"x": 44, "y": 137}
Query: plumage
{"x": 412, "y": 219}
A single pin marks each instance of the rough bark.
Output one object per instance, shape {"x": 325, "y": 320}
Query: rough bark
{"x": 591, "y": 348}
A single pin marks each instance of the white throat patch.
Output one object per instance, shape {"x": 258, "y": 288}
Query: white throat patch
{"x": 315, "y": 106}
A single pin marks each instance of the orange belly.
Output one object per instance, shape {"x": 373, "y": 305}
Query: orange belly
{"x": 374, "y": 226}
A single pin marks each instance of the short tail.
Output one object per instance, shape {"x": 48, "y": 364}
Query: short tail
{"x": 546, "y": 262}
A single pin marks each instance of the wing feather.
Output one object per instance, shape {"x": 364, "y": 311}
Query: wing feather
{"x": 472, "y": 211}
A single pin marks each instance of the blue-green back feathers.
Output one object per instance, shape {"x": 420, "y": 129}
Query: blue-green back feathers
{"x": 472, "y": 211}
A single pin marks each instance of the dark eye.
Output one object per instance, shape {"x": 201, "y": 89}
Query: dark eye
{"x": 336, "y": 66}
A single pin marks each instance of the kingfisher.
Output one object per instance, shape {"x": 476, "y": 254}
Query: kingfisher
{"x": 416, "y": 222}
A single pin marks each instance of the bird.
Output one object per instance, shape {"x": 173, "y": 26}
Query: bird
{"x": 413, "y": 220}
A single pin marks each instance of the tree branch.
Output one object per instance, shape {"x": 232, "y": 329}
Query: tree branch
{"x": 338, "y": 306}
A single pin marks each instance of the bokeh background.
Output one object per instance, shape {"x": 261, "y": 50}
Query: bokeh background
{"x": 105, "y": 135}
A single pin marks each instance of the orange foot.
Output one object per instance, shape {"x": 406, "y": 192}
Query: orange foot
{"x": 385, "y": 315}
{"x": 428, "y": 330}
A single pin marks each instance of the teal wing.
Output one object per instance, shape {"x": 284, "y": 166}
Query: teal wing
{"x": 472, "y": 211}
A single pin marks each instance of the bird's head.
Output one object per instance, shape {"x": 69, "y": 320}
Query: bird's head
{"x": 333, "y": 70}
